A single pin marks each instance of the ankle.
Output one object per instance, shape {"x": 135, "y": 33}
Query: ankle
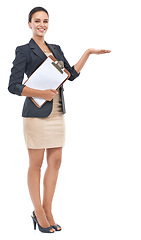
{"x": 47, "y": 210}
{"x": 39, "y": 211}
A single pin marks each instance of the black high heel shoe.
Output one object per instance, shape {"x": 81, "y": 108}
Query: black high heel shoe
{"x": 44, "y": 230}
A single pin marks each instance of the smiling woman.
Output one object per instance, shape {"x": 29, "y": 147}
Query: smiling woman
{"x": 44, "y": 128}
{"x": 38, "y": 22}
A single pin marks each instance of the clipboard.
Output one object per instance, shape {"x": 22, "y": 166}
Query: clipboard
{"x": 51, "y": 74}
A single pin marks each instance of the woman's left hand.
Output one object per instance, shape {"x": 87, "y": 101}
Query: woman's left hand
{"x": 98, "y": 51}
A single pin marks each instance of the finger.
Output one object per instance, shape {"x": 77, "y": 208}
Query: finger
{"x": 101, "y": 51}
{"x": 105, "y": 51}
{"x": 54, "y": 91}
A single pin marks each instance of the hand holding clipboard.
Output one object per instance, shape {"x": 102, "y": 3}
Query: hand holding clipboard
{"x": 51, "y": 74}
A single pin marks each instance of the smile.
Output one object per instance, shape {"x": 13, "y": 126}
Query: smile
{"x": 41, "y": 29}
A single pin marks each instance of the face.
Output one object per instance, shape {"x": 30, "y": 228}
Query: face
{"x": 39, "y": 23}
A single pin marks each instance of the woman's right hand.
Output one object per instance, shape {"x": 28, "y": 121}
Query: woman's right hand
{"x": 49, "y": 94}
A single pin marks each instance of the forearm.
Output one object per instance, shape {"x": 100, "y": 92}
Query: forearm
{"x": 30, "y": 92}
{"x": 79, "y": 65}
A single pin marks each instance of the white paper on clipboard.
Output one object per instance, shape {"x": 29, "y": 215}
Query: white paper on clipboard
{"x": 46, "y": 77}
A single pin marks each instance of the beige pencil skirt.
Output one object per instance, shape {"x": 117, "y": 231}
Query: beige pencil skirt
{"x": 48, "y": 132}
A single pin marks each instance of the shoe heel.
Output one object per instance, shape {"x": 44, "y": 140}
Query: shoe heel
{"x": 34, "y": 223}
{"x": 45, "y": 230}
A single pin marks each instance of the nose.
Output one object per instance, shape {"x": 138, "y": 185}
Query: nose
{"x": 42, "y": 24}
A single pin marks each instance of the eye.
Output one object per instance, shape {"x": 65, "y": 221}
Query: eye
{"x": 46, "y": 21}
{"x": 36, "y": 21}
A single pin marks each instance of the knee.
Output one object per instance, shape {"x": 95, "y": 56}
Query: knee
{"x": 54, "y": 163}
{"x": 35, "y": 158}
{"x": 35, "y": 167}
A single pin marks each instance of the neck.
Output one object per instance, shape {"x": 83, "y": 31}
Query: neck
{"x": 39, "y": 40}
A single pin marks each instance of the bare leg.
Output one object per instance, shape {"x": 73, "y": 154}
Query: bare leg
{"x": 35, "y": 162}
{"x": 54, "y": 156}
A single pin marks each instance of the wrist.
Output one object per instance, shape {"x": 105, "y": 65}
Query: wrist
{"x": 39, "y": 93}
{"x": 92, "y": 51}
{"x": 88, "y": 51}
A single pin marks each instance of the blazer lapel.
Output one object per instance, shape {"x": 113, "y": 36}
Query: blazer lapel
{"x": 38, "y": 51}
{"x": 52, "y": 49}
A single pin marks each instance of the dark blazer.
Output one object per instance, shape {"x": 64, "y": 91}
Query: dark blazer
{"x": 28, "y": 58}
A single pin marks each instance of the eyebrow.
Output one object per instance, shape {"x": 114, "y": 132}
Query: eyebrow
{"x": 40, "y": 19}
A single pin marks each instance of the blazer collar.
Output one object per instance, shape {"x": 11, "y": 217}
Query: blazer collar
{"x": 37, "y": 50}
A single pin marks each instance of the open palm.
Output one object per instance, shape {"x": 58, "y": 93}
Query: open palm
{"x": 99, "y": 51}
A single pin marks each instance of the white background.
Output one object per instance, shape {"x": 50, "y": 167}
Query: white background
{"x": 98, "y": 193}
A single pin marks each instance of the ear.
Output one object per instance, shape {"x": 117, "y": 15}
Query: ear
{"x": 30, "y": 25}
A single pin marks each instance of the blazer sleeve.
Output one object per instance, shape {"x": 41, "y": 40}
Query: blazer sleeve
{"x": 73, "y": 72}
{"x": 15, "y": 85}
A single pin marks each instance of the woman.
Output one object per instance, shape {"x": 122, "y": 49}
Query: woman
{"x": 44, "y": 128}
